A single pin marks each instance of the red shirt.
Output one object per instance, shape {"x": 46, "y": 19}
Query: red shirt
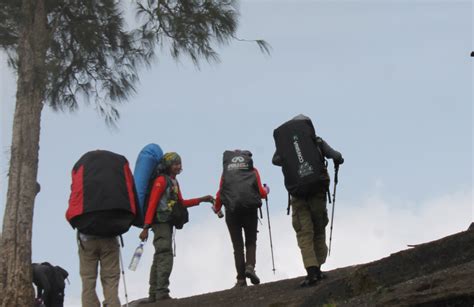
{"x": 261, "y": 189}
{"x": 159, "y": 186}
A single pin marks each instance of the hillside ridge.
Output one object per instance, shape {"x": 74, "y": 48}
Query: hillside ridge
{"x": 436, "y": 273}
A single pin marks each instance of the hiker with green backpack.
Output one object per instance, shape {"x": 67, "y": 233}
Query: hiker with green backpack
{"x": 241, "y": 191}
{"x": 301, "y": 154}
{"x": 166, "y": 210}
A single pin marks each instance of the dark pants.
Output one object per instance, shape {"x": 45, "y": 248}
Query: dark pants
{"x": 248, "y": 222}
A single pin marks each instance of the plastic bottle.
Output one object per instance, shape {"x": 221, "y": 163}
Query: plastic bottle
{"x": 136, "y": 257}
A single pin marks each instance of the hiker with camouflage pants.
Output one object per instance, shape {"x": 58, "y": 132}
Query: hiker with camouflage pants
{"x": 309, "y": 212}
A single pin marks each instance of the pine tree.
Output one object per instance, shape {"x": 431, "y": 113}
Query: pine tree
{"x": 67, "y": 50}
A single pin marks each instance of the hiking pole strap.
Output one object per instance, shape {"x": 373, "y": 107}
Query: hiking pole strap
{"x": 260, "y": 210}
{"x": 288, "y": 208}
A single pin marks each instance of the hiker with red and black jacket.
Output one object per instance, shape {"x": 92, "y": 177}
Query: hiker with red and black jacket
{"x": 164, "y": 212}
{"x": 241, "y": 191}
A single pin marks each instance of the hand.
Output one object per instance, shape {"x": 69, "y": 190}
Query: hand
{"x": 144, "y": 234}
{"x": 267, "y": 188}
{"x": 339, "y": 162}
{"x": 207, "y": 198}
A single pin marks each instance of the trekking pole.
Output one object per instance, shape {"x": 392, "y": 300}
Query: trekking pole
{"x": 336, "y": 170}
{"x": 270, "y": 232}
{"x": 123, "y": 274}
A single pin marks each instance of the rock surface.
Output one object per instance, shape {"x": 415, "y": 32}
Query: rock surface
{"x": 437, "y": 273}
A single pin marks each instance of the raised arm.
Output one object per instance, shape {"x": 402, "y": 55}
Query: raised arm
{"x": 329, "y": 152}
{"x": 261, "y": 189}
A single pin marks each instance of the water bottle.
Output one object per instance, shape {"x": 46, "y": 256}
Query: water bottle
{"x": 136, "y": 257}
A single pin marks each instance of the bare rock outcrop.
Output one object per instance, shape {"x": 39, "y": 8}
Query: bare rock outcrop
{"x": 437, "y": 273}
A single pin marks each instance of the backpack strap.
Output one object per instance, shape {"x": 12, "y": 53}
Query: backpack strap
{"x": 174, "y": 240}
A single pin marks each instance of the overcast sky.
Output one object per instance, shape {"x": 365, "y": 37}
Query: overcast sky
{"x": 387, "y": 83}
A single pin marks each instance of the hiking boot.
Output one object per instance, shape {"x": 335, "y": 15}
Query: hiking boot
{"x": 314, "y": 275}
{"x": 240, "y": 283}
{"x": 250, "y": 273}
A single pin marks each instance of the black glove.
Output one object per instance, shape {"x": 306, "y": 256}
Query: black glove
{"x": 339, "y": 161}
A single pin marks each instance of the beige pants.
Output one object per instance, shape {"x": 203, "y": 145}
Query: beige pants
{"x": 103, "y": 251}
{"x": 309, "y": 218}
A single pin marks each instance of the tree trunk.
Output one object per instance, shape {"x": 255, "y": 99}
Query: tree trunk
{"x": 15, "y": 249}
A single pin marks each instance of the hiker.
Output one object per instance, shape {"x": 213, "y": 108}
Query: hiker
{"x": 165, "y": 198}
{"x": 301, "y": 154}
{"x": 49, "y": 282}
{"x": 102, "y": 206}
{"x": 241, "y": 191}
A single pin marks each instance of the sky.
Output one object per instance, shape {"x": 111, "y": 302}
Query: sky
{"x": 387, "y": 83}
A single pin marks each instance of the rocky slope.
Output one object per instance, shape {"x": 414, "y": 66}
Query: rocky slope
{"x": 437, "y": 273}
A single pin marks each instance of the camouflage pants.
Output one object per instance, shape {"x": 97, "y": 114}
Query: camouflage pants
{"x": 104, "y": 251}
{"x": 162, "y": 260}
{"x": 309, "y": 218}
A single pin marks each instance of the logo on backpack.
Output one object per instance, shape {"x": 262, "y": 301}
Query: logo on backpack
{"x": 238, "y": 162}
{"x": 305, "y": 169}
{"x": 298, "y": 149}
{"x": 238, "y": 159}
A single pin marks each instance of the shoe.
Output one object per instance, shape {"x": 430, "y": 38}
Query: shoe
{"x": 250, "y": 273}
{"x": 240, "y": 283}
{"x": 314, "y": 275}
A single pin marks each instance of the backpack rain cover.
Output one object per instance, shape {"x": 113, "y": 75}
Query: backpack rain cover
{"x": 103, "y": 198}
{"x": 303, "y": 164}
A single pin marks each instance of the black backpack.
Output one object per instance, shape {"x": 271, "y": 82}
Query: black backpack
{"x": 239, "y": 191}
{"x": 303, "y": 164}
{"x": 45, "y": 276}
{"x": 103, "y": 199}
{"x": 179, "y": 215}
